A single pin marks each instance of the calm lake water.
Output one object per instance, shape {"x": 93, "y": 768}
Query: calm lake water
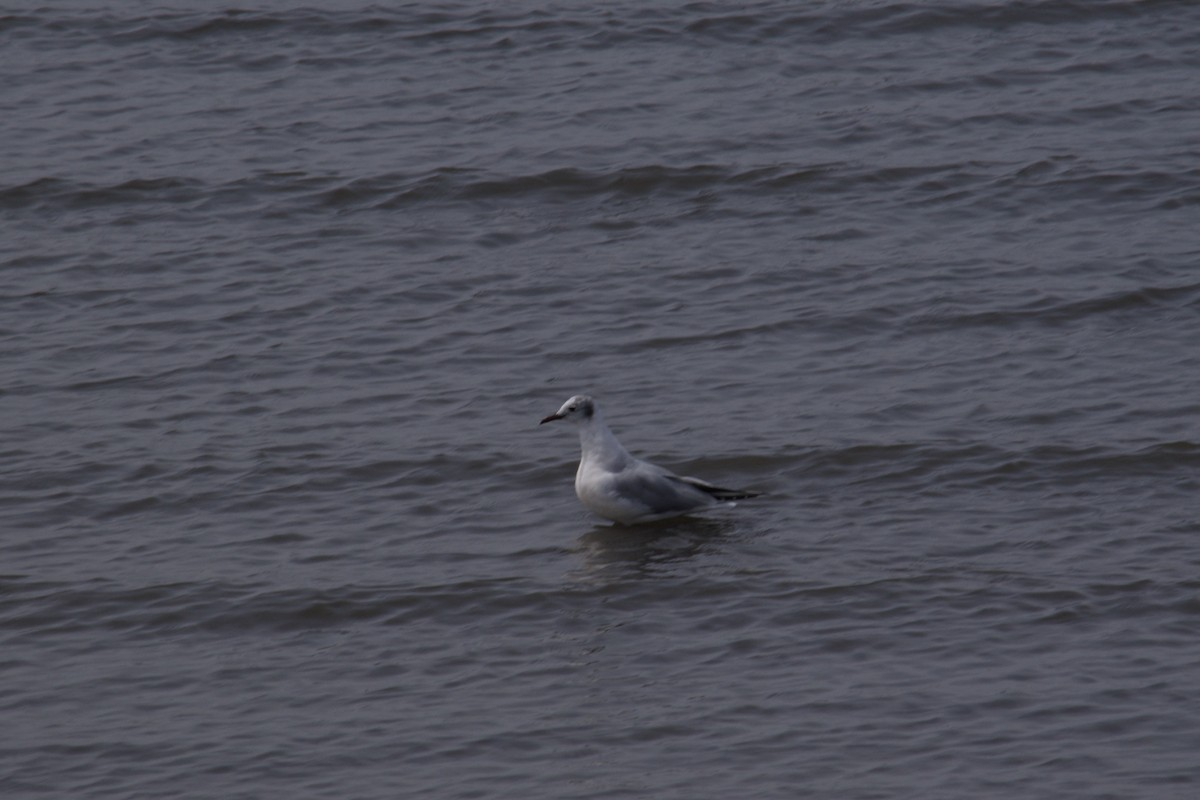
{"x": 286, "y": 289}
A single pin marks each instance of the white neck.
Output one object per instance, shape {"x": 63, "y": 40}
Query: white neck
{"x": 598, "y": 444}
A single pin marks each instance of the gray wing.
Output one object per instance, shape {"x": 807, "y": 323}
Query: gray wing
{"x": 660, "y": 491}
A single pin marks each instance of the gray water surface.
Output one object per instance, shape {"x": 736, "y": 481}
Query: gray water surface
{"x": 286, "y": 290}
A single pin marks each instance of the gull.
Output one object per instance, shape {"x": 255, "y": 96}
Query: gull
{"x": 615, "y": 485}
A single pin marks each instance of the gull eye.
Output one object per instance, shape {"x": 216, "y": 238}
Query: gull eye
{"x": 570, "y": 408}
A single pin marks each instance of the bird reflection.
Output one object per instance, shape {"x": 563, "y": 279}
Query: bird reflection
{"x": 652, "y": 548}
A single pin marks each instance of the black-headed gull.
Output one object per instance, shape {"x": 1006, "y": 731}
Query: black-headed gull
{"x": 617, "y": 486}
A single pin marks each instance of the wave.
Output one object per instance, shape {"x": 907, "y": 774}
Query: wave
{"x": 985, "y": 183}
{"x": 697, "y": 24}
{"x": 221, "y": 607}
{"x": 956, "y": 467}
{"x": 1059, "y": 311}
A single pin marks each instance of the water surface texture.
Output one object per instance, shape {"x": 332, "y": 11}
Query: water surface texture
{"x": 284, "y": 291}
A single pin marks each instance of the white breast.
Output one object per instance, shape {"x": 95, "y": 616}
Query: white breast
{"x": 595, "y": 489}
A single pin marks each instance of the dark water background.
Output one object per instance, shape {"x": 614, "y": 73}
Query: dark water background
{"x": 285, "y": 289}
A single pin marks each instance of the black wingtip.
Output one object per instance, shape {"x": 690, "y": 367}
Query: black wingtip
{"x": 728, "y": 494}
{"x": 731, "y": 494}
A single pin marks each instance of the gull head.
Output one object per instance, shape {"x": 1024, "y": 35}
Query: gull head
{"x": 579, "y": 408}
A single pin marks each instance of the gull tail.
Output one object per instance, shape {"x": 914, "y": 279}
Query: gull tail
{"x": 719, "y": 493}
{"x": 729, "y": 494}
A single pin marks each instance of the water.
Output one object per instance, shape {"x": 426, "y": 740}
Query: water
{"x": 285, "y": 291}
